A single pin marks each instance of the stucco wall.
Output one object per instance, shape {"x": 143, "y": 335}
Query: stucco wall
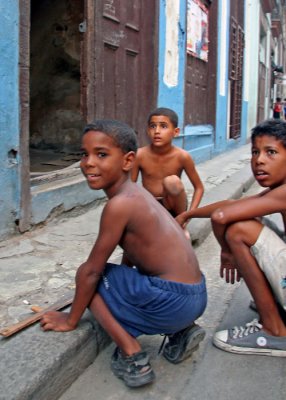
{"x": 9, "y": 116}
{"x": 172, "y": 45}
{"x": 252, "y": 10}
{"x": 222, "y": 75}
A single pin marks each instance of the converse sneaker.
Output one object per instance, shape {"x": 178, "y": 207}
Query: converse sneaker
{"x": 251, "y": 339}
{"x": 135, "y": 370}
{"x": 182, "y": 344}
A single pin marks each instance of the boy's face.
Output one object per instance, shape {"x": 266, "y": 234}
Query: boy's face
{"x": 161, "y": 130}
{"x": 103, "y": 163}
{"x": 268, "y": 161}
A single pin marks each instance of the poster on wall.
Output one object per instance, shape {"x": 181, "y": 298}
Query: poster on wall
{"x": 197, "y": 30}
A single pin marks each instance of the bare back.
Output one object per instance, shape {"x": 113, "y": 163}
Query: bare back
{"x": 152, "y": 240}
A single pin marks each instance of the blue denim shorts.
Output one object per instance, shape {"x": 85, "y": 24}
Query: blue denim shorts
{"x": 150, "y": 305}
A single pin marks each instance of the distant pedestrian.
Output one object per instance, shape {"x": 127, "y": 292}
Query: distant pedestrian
{"x": 161, "y": 164}
{"x": 278, "y": 108}
{"x": 284, "y": 108}
{"x": 252, "y": 250}
{"x": 158, "y": 288}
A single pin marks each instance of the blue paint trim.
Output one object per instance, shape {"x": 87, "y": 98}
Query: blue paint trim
{"x": 9, "y": 116}
{"x": 221, "y": 101}
{"x": 172, "y": 97}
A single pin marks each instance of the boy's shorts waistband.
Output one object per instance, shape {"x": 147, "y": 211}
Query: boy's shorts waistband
{"x": 177, "y": 287}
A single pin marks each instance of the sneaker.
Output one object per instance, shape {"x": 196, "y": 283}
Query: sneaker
{"x": 135, "y": 370}
{"x": 182, "y": 344}
{"x": 251, "y": 339}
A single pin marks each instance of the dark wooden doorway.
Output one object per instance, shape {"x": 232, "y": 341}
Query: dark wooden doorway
{"x": 123, "y": 71}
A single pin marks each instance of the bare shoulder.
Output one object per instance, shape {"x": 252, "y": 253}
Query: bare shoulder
{"x": 143, "y": 151}
{"x": 184, "y": 156}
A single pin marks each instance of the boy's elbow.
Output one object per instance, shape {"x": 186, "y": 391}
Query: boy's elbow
{"x": 218, "y": 217}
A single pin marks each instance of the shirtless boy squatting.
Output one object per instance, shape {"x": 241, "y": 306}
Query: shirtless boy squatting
{"x": 130, "y": 301}
{"x": 161, "y": 164}
{"x": 253, "y": 251}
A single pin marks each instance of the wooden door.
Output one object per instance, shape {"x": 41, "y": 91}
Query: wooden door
{"x": 123, "y": 83}
{"x": 200, "y": 82}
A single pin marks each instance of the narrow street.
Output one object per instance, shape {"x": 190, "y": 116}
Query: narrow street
{"x": 211, "y": 374}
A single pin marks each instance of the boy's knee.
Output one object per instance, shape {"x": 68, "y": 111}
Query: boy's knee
{"x": 243, "y": 231}
{"x": 236, "y": 232}
{"x": 173, "y": 185}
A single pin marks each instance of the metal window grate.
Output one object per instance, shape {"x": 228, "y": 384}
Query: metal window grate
{"x": 235, "y": 76}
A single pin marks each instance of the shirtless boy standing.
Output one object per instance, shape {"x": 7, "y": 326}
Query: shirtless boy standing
{"x": 160, "y": 290}
{"x": 161, "y": 164}
{"x": 254, "y": 250}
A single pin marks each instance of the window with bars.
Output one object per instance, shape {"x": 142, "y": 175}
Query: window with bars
{"x": 235, "y": 76}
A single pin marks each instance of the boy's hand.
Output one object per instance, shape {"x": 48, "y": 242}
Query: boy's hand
{"x": 56, "y": 321}
{"x": 228, "y": 269}
{"x": 183, "y": 219}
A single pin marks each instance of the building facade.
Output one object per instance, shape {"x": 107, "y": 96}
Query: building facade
{"x": 218, "y": 63}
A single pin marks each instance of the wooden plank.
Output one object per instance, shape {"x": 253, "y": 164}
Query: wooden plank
{"x": 65, "y": 301}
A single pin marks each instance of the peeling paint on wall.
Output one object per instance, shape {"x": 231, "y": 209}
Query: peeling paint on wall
{"x": 171, "y": 68}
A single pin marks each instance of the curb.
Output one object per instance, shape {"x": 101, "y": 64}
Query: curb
{"x": 39, "y": 365}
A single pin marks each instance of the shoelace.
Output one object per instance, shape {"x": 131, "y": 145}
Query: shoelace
{"x": 250, "y": 327}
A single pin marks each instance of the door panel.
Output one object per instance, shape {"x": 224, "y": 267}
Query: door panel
{"x": 124, "y": 65}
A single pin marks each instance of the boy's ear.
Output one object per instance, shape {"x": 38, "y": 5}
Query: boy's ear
{"x": 128, "y": 161}
{"x": 176, "y": 132}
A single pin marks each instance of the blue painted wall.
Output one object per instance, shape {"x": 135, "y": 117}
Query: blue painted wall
{"x": 9, "y": 115}
{"x": 172, "y": 96}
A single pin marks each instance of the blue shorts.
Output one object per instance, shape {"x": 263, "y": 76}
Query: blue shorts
{"x": 144, "y": 304}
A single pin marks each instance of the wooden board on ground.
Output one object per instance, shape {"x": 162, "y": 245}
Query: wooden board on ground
{"x": 65, "y": 301}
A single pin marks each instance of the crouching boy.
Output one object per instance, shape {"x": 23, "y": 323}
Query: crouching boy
{"x": 158, "y": 288}
{"x": 253, "y": 251}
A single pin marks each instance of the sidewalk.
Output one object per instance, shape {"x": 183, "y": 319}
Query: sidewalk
{"x": 39, "y": 267}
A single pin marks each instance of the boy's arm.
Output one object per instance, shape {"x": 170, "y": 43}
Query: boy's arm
{"x": 206, "y": 211}
{"x": 193, "y": 176}
{"x": 90, "y": 272}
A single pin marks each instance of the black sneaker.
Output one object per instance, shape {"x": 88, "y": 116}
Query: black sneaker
{"x": 135, "y": 370}
{"x": 182, "y": 344}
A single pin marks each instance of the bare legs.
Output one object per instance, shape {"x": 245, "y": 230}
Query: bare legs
{"x": 175, "y": 198}
{"x": 127, "y": 343}
{"x": 240, "y": 237}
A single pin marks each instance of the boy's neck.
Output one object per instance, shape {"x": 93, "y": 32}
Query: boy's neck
{"x": 161, "y": 150}
{"x": 118, "y": 187}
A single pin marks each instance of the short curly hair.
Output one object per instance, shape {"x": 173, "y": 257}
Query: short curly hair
{"x": 271, "y": 127}
{"x": 121, "y": 133}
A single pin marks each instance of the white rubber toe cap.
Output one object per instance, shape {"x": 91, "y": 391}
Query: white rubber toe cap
{"x": 221, "y": 336}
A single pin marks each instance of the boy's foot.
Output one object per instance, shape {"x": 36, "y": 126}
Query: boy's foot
{"x": 135, "y": 370}
{"x": 251, "y": 339}
{"x": 182, "y": 344}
